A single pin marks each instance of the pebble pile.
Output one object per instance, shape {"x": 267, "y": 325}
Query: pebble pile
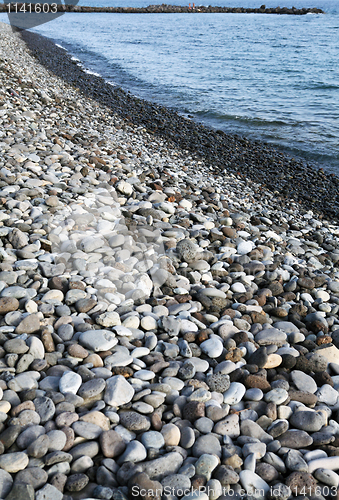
{"x": 165, "y": 333}
{"x": 225, "y": 154}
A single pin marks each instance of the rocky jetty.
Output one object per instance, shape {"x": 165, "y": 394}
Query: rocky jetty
{"x": 167, "y": 330}
{"x": 170, "y": 9}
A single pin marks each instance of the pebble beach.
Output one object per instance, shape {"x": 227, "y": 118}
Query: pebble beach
{"x": 169, "y": 300}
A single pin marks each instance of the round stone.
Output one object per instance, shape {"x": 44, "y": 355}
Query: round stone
{"x": 207, "y": 444}
{"x": 213, "y": 347}
{"x": 13, "y": 462}
{"x": 118, "y": 391}
{"x": 148, "y": 323}
{"x": 234, "y": 394}
{"x": 153, "y": 439}
{"x": 70, "y": 382}
{"x": 303, "y": 382}
{"x": 277, "y": 396}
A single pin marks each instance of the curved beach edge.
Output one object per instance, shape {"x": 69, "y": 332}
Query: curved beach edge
{"x": 275, "y": 170}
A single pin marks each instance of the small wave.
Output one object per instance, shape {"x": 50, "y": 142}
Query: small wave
{"x": 75, "y": 59}
{"x": 324, "y": 86}
{"x": 89, "y": 72}
{"x": 60, "y": 47}
{"x": 245, "y": 119}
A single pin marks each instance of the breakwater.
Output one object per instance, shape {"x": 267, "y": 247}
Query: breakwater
{"x": 161, "y": 9}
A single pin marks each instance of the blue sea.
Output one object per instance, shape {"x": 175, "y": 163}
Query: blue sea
{"x": 273, "y": 78}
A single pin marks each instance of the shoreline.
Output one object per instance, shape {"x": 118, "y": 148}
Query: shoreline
{"x": 167, "y": 329}
{"x": 258, "y": 161}
{"x": 169, "y": 9}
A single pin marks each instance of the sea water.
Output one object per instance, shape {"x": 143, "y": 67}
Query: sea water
{"x": 273, "y": 78}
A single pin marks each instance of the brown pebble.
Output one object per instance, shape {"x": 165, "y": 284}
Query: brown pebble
{"x": 182, "y": 299}
{"x": 229, "y": 232}
{"x": 52, "y": 201}
{"x": 198, "y": 481}
{"x": 47, "y": 340}
{"x": 229, "y": 312}
{"x": 305, "y": 282}
{"x": 234, "y": 461}
{"x": 95, "y": 359}
{"x": 189, "y": 336}
{"x": 140, "y": 483}
{"x": 271, "y": 411}
{"x": 318, "y": 326}
{"x": 8, "y": 304}
{"x": 322, "y": 378}
{"x": 276, "y": 288}
{"x": 193, "y": 410}
{"x": 76, "y": 285}
{"x": 302, "y": 364}
{"x": 26, "y": 405}
{"x": 64, "y": 320}
{"x": 240, "y": 337}
{"x": 299, "y": 482}
{"x": 259, "y": 317}
{"x": 198, "y": 384}
{"x": 303, "y": 397}
{"x": 261, "y": 296}
{"x": 104, "y": 354}
{"x": 125, "y": 371}
{"x": 202, "y": 336}
{"x": 324, "y": 339}
{"x": 234, "y": 355}
{"x": 66, "y": 419}
{"x": 58, "y": 480}
{"x": 112, "y": 444}
{"x": 279, "y": 312}
{"x": 97, "y": 418}
{"x": 156, "y": 422}
{"x": 199, "y": 317}
{"x": 255, "y": 381}
{"x": 77, "y": 351}
{"x": 85, "y": 305}
{"x": 70, "y": 437}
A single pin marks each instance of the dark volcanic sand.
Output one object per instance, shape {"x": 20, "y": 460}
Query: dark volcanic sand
{"x": 288, "y": 177}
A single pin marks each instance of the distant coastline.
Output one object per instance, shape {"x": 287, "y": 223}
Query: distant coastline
{"x": 168, "y": 9}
